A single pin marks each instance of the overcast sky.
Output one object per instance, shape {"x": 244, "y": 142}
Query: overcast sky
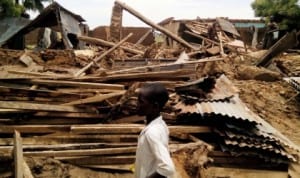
{"x": 98, "y": 12}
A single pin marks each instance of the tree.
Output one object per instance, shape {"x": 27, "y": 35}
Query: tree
{"x": 34, "y": 4}
{"x": 8, "y": 8}
{"x": 16, "y": 8}
{"x": 284, "y": 12}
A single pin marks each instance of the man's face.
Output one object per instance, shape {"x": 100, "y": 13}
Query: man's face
{"x": 144, "y": 107}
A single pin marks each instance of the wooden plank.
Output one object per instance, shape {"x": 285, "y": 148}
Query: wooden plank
{"x": 27, "y": 171}
{"x": 70, "y": 115}
{"x": 213, "y": 172}
{"x": 65, "y": 139}
{"x": 289, "y": 40}
{"x": 107, "y": 43}
{"x": 8, "y": 111}
{"x": 154, "y": 25}
{"x": 38, "y": 92}
{"x": 143, "y": 75}
{"x": 131, "y": 128}
{"x": 102, "y": 55}
{"x": 9, "y": 129}
{"x": 166, "y": 65}
{"x": 95, "y": 99}
{"x": 18, "y": 155}
{"x": 114, "y": 168}
{"x": 83, "y": 152}
{"x": 74, "y": 146}
{"x": 41, "y": 107}
{"x": 58, "y": 83}
{"x": 129, "y": 119}
{"x": 99, "y": 160}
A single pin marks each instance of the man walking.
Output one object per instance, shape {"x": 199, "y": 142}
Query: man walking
{"x": 153, "y": 158}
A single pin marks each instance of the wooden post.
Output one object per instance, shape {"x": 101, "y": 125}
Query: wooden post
{"x": 22, "y": 170}
{"x": 18, "y": 155}
{"x": 221, "y": 45}
{"x": 152, "y": 24}
{"x": 107, "y": 43}
{"x": 103, "y": 55}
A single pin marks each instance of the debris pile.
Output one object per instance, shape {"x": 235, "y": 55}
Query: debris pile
{"x": 78, "y": 106}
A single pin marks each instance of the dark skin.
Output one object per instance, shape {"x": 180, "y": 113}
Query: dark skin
{"x": 151, "y": 111}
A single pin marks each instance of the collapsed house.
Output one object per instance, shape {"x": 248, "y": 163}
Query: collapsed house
{"x": 55, "y": 23}
{"x": 251, "y": 32}
{"x": 82, "y": 111}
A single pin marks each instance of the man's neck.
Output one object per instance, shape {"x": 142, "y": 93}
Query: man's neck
{"x": 150, "y": 118}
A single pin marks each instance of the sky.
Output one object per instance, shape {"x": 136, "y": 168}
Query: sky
{"x": 98, "y": 12}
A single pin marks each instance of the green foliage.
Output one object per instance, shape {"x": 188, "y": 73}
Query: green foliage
{"x": 8, "y": 8}
{"x": 286, "y": 12}
{"x": 13, "y": 8}
{"x": 34, "y": 4}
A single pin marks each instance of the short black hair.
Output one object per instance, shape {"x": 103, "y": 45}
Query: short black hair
{"x": 156, "y": 93}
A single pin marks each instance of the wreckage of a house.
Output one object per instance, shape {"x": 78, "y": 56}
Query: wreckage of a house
{"x": 78, "y": 106}
{"x": 54, "y": 17}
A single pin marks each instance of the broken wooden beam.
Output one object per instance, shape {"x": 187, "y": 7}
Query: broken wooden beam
{"x": 107, "y": 43}
{"x": 77, "y": 84}
{"x": 289, "y": 40}
{"x": 154, "y": 25}
{"x": 102, "y": 55}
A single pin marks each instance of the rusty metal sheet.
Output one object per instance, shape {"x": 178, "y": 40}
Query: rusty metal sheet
{"x": 262, "y": 147}
{"x": 221, "y": 90}
{"x": 227, "y": 26}
{"x": 262, "y": 136}
{"x": 265, "y": 155}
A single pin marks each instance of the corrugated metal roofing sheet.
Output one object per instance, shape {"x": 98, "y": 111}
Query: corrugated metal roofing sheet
{"x": 259, "y": 139}
{"x": 221, "y": 90}
{"x": 10, "y": 26}
{"x": 233, "y": 109}
{"x": 262, "y": 147}
{"x": 227, "y": 26}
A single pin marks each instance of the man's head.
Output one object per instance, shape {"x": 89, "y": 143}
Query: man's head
{"x": 152, "y": 97}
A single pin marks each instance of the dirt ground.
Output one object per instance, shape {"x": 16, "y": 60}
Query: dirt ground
{"x": 276, "y": 102}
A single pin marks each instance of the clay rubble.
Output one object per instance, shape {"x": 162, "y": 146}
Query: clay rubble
{"x": 233, "y": 109}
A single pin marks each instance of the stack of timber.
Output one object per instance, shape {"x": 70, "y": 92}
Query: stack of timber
{"x": 90, "y": 121}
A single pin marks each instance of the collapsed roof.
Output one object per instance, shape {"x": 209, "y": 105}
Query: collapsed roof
{"x": 51, "y": 16}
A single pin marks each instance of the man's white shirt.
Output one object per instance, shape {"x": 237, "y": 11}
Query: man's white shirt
{"x": 152, "y": 153}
